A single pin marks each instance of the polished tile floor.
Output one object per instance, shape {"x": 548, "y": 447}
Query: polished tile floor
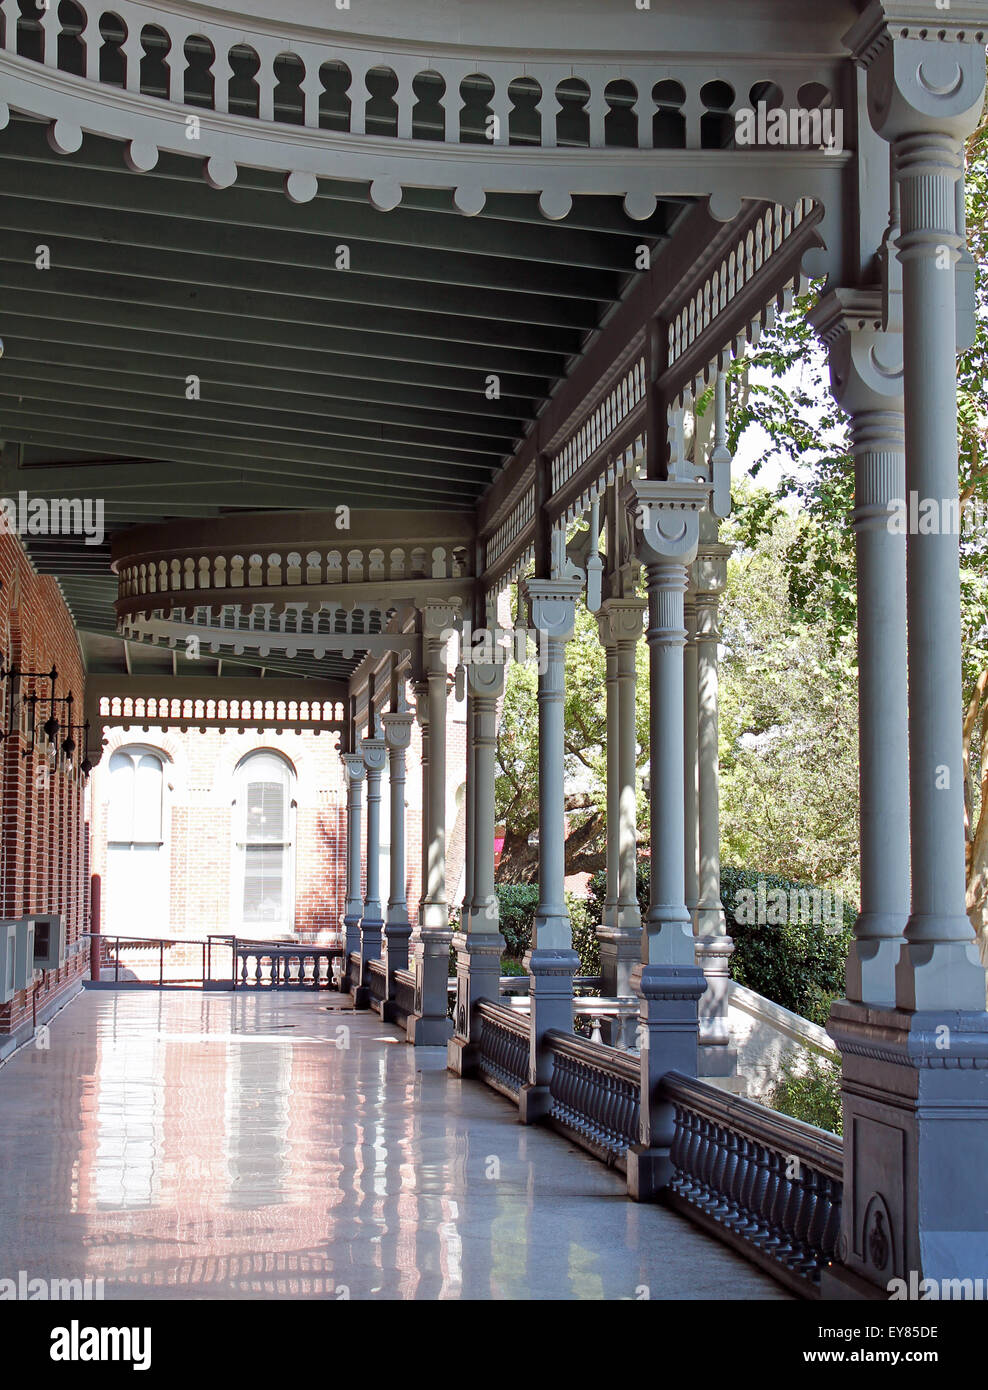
{"x": 241, "y": 1146}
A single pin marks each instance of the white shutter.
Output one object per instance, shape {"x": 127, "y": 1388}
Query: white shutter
{"x": 264, "y": 843}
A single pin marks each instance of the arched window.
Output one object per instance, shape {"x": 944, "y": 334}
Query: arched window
{"x": 263, "y": 879}
{"x": 136, "y": 864}
{"x": 136, "y": 779}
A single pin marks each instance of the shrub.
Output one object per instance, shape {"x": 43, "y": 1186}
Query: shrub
{"x": 585, "y": 942}
{"x": 799, "y": 965}
{"x": 516, "y": 904}
{"x": 812, "y": 1093}
{"x": 511, "y": 966}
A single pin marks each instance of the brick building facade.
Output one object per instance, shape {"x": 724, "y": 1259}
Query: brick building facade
{"x": 60, "y": 826}
{"x": 44, "y": 864}
{"x": 198, "y": 881}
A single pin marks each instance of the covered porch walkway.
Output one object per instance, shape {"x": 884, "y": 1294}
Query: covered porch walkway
{"x": 264, "y": 1145}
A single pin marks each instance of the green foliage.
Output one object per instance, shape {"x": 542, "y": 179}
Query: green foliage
{"x": 516, "y": 904}
{"x": 788, "y": 713}
{"x": 511, "y": 966}
{"x": 585, "y": 942}
{"x": 811, "y": 1093}
{"x": 798, "y": 964}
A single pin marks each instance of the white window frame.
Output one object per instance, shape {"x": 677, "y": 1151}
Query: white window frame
{"x": 238, "y": 845}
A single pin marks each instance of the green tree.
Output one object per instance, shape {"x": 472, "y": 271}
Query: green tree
{"x": 788, "y": 714}
{"x": 516, "y": 784}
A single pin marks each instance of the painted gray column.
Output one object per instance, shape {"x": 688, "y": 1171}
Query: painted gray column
{"x": 466, "y": 906}
{"x": 551, "y": 963}
{"x": 691, "y": 799}
{"x": 397, "y": 928}
{"x": 713, "y": 945}
{"x": 430, "y": 1024}
{"x": 914, "y": 1094}
{"x": 374, "y": 754}
{"x": 940, "y": 968}
{"x": 480, "y": 945}
{"x": 608, "y": 915}
{"x": 620, "y": 626}
{"x": 866, "y": 379}
{"x": 667, "y": 979}
{"x": 354, "y": 771}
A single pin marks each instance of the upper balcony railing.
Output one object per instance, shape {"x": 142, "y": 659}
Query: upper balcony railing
{"x": 250, "y": 69}
{"x": 281, "y": 558}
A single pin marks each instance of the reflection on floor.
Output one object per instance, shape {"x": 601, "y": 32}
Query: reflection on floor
{"x": 264, "y": 1146}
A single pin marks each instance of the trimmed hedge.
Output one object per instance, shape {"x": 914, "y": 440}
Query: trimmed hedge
{"x": 798, "y": 964}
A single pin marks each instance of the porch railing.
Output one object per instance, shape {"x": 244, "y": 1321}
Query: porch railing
{"x": 404, "y": 994}
{"x": 596, "y": 1093}
{"x": 284, "y": 965}
{"x": 156, "y": 961}
{"x": 767, "y": 1184}
{"x": 504, "y": 1048}
{"x": 378, "y": 972}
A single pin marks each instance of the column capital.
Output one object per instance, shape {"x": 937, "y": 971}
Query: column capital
{"x": 373, "y": 751}
{"x": 865, "y": 362}
{"x": 552, "y": 605}
{"x": 439, "y": 619}
{"x": 486, "y": 679}
{"x": 666, "y": 514}
{"x": 710, "y": 572}
{"x": 398, "y": 728}
{"x": 925, "y": 65}
{"x": 621, "y": 620}
{"x": 353, "y": 764}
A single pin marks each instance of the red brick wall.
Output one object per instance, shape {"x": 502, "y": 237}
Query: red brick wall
{"x": 199, "y": 832}
{"x": 43, "y": 856}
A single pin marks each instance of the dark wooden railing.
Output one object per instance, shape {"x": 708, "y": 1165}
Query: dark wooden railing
{"x": 504, "y": 1048}
{"x": 768, "y": 1185}
{"x": 351, "y": 971}
{"x": 377, "y": 983}
{"x": 765, "y": 1183}
{"x": 595, "y": 1094}
{"x": 404, "y": 994}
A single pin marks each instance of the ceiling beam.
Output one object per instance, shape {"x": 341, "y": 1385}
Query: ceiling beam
{"x": 98, "y": 300}
{"x": 340, "y": 480}
{"x": 254, "y": 303}
{"x": 438, "y": 409}
{"x": 381, "y": 300}
{"x": 310, "y": 368}
{"x": 217, "y": 414}
{"x": 512, "y": 278}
